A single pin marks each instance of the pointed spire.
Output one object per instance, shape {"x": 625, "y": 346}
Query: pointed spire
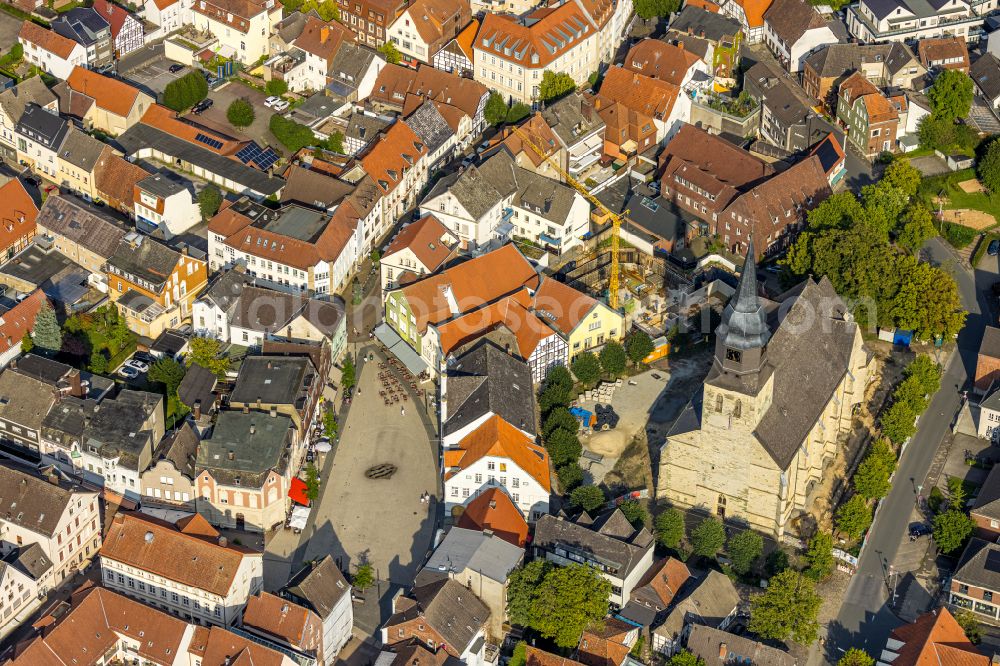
{"x": 744, "y": 321}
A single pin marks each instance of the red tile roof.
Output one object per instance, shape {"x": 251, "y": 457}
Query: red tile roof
{"x": 396, "y": 152}
{"x": 323, "y": 39}
{"x": 109, "y": 94}
{"x": 497, "y": 438}
{"x": 116, "y": 16}
{"x": 17, "y": 213}
{"x": 428, "y": 239}
{"x": 936, "y": 639}
{"x": 511, "y": 313}
{"x": 562, "y": 306}
{"x": 280, "y": 617}
{"x": 46, "y": 39}
{"x": 494, "y": 510}
{"x": 549, "y": 34}
{"x": 879, "y": 108}
{"x": 19, "y": 320}
{"x": 640, "y": 93}
{"x": 660, "y": 60}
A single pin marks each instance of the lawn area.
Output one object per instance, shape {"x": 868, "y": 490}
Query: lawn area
{"x": 956, "y": 197}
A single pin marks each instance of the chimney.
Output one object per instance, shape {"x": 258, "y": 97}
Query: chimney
{"x": 273, "y": 412}
{"x": 723, "y": 651}
{"x": 396, "y": 597}
{"x": 232, "y": 454}
{"x": 223, "y": 542}
{"x": 75, "y": 386}
{"x": 53, "y": 477}
{"x": 253, "y": 428}
{"x": 246, "y": 409}
{"x": 197, "y": 410}
{"x": 324, "y": 34}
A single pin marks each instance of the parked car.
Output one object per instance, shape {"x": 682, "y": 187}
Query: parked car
{"x": 270, "y": 101}
{"x": 281, "y": 105}
{"x": 918, "y": 530}
{"x": 138, "y": 365}
{"x": 176, "y": 67}
{"x": 202, "y": 105}
{"x": 145, "y": 357}
{"x": 128, "y": 372}
{"x": 993, "y": 249}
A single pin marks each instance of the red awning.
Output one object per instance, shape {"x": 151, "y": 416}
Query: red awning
{"x": 298, "y": 491}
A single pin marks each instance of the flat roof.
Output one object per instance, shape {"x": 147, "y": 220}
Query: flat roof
{"x": 304, "y": 224}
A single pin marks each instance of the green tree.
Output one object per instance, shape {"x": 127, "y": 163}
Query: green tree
{"x": 649, "y": 9}
{"x": 312, "y": 482}
{"x": 587, "y": 368}
{"x": 168, "y": 372}
{"x": 570, "y": 476}
{"x": 685, "y": 657}
{"x": 924, "y": 370}
{"x": 819, "y": 556}
{"x": 708, "y": 538}
{"x": 327, "y": 9}
{"x": 898, "y": 422}
{"x": 522, "y": 590}
{"x": 240, "y": 113}
{"x": 670, "y": 528}
{"x": 776, "y": 562}
{"x": 927, "y": 301}
{"x": 347, "y": 373}
{"x": 185, "y": 92}
{"x": 335, "y": 142}
{"x": 951, "y": 529}
{"x": 917, "y": 225}
{"x": 292, "y": 135}
{"x": 788, "y": 609}
{"x": 854, "y": 517}
{"x": 872, "y": 477}
{"x": 743, "y": 549}
{"x": 391, "y": 53}
{"x": 951, "y": 94}
{"x": 559, "y": 376}
{"x": 26, "y": 343}
{"x": 988, "y": 168}
{"x": 902, "y": 176}
{"x": 588, "y": 497}
{"x": 638, "y": 346}
{"x": 936, "y": 132}
{"x": 364, "y": 576}
{"x": 98, "y": 363}
{"x": 956, "y": 492}
{"x": 519, "y": 658}
{"x": 613, "y": 358}
{"x": 555, "y": 85}
{"x": 563, "y": 446}
{"x": 207, "y": 352}
{"x": 209, "y": 200}
{"x": 635, "y": 513}
{"x": 856, "y": 657}
{"x": 560, "y": 418}
{"x": 276, "y": 87}
{"x": 970, "y": 625}
{"x": 568, "y": 600}
{"x": 518, "y": 112}
{"x": 330, "y": 425}
{"x": 495, "y": 110}
{"x": 46, "y": 333}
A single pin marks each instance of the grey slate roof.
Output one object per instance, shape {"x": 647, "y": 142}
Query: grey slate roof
{"x": 705, "y": 24}
{"x": 607, "y": 540}
{"x": 452, "y": 610}
{"x": 198, "y": 385}
{"x": 365, "y": 127}
{"x": 464, "y": 549}
{"x": 180, "y": 448}
{"x": 572, "y": 118}
{"x": 990, "y": 345}
{"x": 225, "y": 290}
{"x": 313, "y": 188}
{"x": 807, "y": 367}
{"x": 290, "y": 27}
{"x": 708, "y": 603}
{"x": 83, "y": 25}
{"x": 30, "y": 91}
{"x": 320, "y": 585}
{"x": 986, "y": 73}
{"x": 980, "y": 565}
{"x": 480, "y": 188}
{"x": 785, "y": 100}
{"x": 32, "y": 502}
{"x": 268, "y": 310}
{"x": 142, "y": 136}
{"x": 81, "y": 150}
{"x": 987, "y": 503}
{"x": 428, "y": 124}
{"x": 41, "y": 126}
{"x": 81, "y": 223}
{"x": 161, "y": 185}
{"x": 274, "y": 380}
{"x": 246, "y": 447}
{"x": 837, "y": 59}
{"x": 486, "y": 380}
{"x": 719, "y": 648}
{"x": 24, "y": 400}
{"x": 30, "y": 560}
{"x": 145, "y": 258}
{"x": 899, "y": 57}
{"x": 348, "y": 66}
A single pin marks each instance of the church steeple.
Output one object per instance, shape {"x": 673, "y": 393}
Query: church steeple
{"x": 741, "y": 338}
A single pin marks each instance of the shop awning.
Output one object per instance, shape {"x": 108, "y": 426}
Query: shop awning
{"x": 300, "y": 515}
{"x": 398, "y": 347}
{"x": 298, "y": 491}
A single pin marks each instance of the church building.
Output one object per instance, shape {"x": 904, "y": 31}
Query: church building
{"x": 775, "y": 408}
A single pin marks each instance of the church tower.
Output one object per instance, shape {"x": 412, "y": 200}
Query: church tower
{"x": 739, "y": 384}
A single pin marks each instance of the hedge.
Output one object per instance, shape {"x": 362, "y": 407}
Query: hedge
{"x": 185, "y": 92}
{"x": 977, "y": 256}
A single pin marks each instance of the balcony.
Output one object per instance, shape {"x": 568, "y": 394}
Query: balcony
{"x": 549, "y": 240}
{"x": 855, "y": 14}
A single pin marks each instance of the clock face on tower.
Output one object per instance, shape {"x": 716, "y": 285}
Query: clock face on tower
{"x": 734, "y": 355}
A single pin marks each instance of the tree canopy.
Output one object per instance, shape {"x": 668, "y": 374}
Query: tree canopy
{"x": 788, "y": 609}
{"x": 988, "y": 168}
{"x": 586, "y": 367}
{"x": 871, "y": 479}
{"x": 240, "y": 113}
{"x": 587, "y": 497}
{"x": 209, "y": 200}
{"x": 648, "y": 9}
{"x": 856, "y": 657}
{"x": 670, "y": 528}
{"x": 557, "y": 602}
{"x": 46, "y": 333}
{"x": 743, "y": 549}
{"x": 819, "y": 556}
{"x": 206, "y": 352}
{"x": 854, "y": 517}
{"x": 391, "y": 53}
{"x": 638, "y": 346}
{"x": 951, "y": 529}
{"x": 708, "y": 538}
{"x": 951, "y": 95}
{"x": 495, "y": 110}
{"x": 185, "y": 92}
{"x": 292, "y": 135}
{"x": 555, "y": 85}
{"x": 613, "y": 358}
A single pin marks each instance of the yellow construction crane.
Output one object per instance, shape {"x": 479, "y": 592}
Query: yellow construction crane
{"x": 616, "y": 219}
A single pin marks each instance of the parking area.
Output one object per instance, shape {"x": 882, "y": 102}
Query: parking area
{"x": 930, "y": 165}
{"x": 224, "y": 96}
{"x": 154, "y": 75}
{"x": 9, "y": 27}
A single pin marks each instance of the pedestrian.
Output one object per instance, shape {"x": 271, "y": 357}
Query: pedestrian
{"x": 402, "y": 412}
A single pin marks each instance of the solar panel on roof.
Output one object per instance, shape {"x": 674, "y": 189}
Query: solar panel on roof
{"x": 262, "y": 158}
{"x": 208, "y": 141}
{"x": 993, "y": 561}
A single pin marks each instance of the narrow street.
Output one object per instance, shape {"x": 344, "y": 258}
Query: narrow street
{"x": 865, "y": 619}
